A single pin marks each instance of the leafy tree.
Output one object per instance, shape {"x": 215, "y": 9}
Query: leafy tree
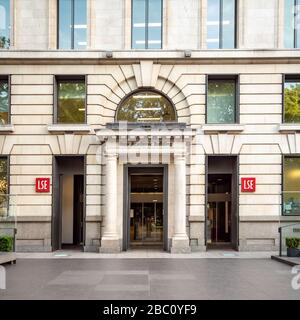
{"x": 292, "y": 103}
{"x": 3, "y": 176}
{"x": 4, "y": 42}
{"x": 71, "y": 102}
{"x": 3, "y": 102}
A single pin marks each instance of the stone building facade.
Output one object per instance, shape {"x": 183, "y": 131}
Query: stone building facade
{"x": 255, "y": 144}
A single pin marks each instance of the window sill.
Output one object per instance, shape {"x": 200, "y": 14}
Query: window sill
{"x": 290, "y": 217}
{"x": 289, "y": 127}
{"x": 6, "y": 128}
{"x": 223, "y": 128}
{"x": 69, "y": 128}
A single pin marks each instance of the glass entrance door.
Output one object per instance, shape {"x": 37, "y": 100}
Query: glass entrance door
{"x": 146, "y": 223}
{"x": 219, "y": 221}
{"x": 219, "y": 209}
{"x": 146, "y": 207}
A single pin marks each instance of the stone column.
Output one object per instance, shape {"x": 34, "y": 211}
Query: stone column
{"x": 180, "y": 240}
{"x": 110, "y": 241}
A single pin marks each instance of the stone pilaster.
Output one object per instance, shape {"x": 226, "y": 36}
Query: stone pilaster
{"x": 180, "y": 240}
{"x": 110, "y": 241}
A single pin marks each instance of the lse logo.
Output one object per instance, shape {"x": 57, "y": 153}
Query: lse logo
{"x": 42, "y": 185}
{"x": 248, "y": 184}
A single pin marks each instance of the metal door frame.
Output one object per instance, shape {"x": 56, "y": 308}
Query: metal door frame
{"x": 126, "y": 201}
{"x": 234, "y": 196}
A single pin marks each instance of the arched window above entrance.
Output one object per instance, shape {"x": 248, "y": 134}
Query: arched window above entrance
{"x": 146, "y": 106}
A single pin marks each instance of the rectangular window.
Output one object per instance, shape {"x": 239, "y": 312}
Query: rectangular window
{"x": 292, "y": 99}
{"x": 72, "y": 24}
{"x": 221, "y": 24}
{"x": 291, "y": 186}
{"x": 3, "y": 186}
{"x": 221, "y": 100}
{"x": 4, "y": 100}
{"x": 4, "y": 24}
{"x": 147, "y": 24}
{"x": 71, "y": 99}
{"x": 292, "y": 23}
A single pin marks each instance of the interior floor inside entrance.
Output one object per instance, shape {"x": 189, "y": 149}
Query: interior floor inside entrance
{"x": 146, "y": 209}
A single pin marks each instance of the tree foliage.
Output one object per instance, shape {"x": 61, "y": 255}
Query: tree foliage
{"x": 3, "y": 176}
{"x": 71, "y": 102}
{"x": 292, "y": 103}
{"x": 4, "y": 42}
{"x": 3, "y": 102}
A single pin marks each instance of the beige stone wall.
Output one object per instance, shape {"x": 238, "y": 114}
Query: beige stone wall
{"x": 259, "y": 21}
{"x": 259, "y": 146}
{"x": 31, "y": 24}
{"x": 260, "y": 24}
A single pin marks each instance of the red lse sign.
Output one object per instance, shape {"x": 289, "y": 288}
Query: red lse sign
{"x": 248, "y": 184}
{"x": 42, "y": 185}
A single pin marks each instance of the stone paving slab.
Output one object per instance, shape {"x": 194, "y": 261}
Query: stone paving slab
{"x": 147, "y": 254}
{"x": 155, "y": 279}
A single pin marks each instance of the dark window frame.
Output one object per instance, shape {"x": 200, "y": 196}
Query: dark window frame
{"x": 72, "y": 25}
{"x": 236, "y": 21}
{"x": 223, "y": 78}
{"x": 284, "y": 156}
{"x": 288, "y": 77}
{"x": 146, "y": 25}
{"x": 68, "y": 79}
{"x": 8, "y": 79}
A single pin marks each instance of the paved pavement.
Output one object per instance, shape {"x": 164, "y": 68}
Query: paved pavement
{"x": 147, "y": 254}
{"x": 219, "y": 278}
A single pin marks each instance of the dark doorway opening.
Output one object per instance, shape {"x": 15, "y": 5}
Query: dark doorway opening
{"x": 145, "y": 215}
{"x": 219, "y": 208}
{"x": 68, "y": 203}
{"x": 222, "y": 213}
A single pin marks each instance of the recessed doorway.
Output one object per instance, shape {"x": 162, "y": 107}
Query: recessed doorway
{"x": 68, "y": 203}
{"x": 219, "y": 208}
{"x": 145, "y": 218}
{"x": 221, "y": 212}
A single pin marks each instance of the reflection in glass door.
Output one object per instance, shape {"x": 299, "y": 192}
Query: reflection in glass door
{"x": 146, "y": 223}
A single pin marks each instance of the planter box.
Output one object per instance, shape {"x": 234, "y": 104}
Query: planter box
{"x": 293, "y": 252}
{"x": 6, "y": 257}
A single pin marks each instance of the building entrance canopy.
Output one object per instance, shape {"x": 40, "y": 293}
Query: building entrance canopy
{"x": 150, "y": 144}
{"x": 145, "y": 142}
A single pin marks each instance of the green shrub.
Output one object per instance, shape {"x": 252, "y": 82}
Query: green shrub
{"x": 6, "y": 243}
{"x": 292, "y": 242}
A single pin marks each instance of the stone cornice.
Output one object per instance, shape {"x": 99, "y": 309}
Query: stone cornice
{"x": 260, "y": 56}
